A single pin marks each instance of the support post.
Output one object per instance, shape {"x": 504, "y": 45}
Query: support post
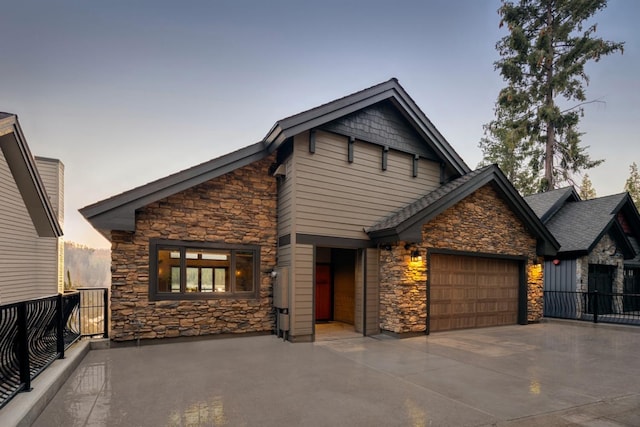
{"x": 105, "y": 300}
{"x": 60, "y": 326}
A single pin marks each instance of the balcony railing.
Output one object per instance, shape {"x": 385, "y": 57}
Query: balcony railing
{"x": 593, "y": 306}
{"x": 35, "y": 333}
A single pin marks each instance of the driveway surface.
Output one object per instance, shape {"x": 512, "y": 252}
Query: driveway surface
{"x": 548, "y": 374}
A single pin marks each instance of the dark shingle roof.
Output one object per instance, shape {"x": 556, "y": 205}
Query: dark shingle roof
{"x": 406, "y": 223}
{"x": 546, "y": 204}
{"x": 424, "y": 202}
{"x": 578, "y": 226}
{"x": 118, "y": 212}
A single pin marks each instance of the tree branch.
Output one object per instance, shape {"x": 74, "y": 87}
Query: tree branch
{"x": 598, "y": 100}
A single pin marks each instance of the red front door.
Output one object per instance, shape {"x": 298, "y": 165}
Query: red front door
{"x": 323, "y": 292}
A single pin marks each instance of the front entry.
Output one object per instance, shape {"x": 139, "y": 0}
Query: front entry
{"x": 601, "y": 280}
{"x": 323, "y": 292}
{"x": 335, "y": 291}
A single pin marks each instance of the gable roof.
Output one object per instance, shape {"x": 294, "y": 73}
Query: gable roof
{"x": 406, "y": 223}
{"x": 579, "y": 225}
{"x": 25, "y": 173}
{"x": 118, "y": 212}
{"x": 390, "y": 90}
{"x": 546, "y": 204}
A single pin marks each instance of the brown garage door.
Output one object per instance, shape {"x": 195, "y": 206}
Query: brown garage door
{"x": 472, "y": 292}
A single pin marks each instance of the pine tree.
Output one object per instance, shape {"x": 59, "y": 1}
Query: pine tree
{"x": 586, "y": 189}
{"x": 633, "y": 184}
{"x": 542, "y": 61}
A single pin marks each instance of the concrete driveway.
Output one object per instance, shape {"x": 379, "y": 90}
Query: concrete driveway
{"x": 548, "y": 374}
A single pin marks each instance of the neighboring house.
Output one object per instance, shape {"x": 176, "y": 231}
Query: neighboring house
{"x": 31, "y": 250}
{"x": 598, "y": 245}
{"x": 357, "y": 211}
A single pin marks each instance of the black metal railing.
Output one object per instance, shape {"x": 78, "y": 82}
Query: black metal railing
{"x": 34, "y": 333}
{"x": 94, "y": 313}
{"x": 593, "y": 306}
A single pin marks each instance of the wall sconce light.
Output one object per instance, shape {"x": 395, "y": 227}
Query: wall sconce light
{"x": 415, "y": 256}
{"x": 556, "y": 261}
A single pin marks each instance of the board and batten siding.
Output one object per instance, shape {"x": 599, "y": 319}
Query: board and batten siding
{"x": 561, "y": 277}
{"x": 29, "y": 263}
{"x": 336, "y": 198}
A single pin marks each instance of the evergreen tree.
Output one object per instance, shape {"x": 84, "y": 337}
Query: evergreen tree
{"x": 633, "y": 184}
{"x": 542, "y": 59}
{"x": 586, "y": 189}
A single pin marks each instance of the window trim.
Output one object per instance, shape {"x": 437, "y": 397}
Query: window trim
{"x": 183, "y": 246}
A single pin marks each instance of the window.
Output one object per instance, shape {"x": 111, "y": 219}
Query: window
{"x": 190, "y": 270}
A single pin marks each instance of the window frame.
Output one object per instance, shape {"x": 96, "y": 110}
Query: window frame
{"x": 183, "y": 246}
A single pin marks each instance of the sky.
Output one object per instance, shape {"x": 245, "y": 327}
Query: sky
{"x": 126, "y": 92}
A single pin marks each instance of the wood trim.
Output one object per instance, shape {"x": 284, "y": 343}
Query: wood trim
{"x": 350, "y": 145}
{"x": 385, "y": 157}
{"x": 312, "y": 141}
{"x": 153, "y": 293}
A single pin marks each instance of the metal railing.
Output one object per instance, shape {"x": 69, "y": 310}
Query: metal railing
{"x": 593, "y": 306}
{"x": 94, "y": 313}
{"x": 34, "y": 333}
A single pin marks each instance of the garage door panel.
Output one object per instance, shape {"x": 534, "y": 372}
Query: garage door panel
{"x": 478, "y": 291}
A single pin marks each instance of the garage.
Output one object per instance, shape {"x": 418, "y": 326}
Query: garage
{"x": 472, "y": 292}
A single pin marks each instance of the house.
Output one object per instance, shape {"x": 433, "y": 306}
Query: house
{"x": 357, "y": 211}
{"x": 598, "y": 246}
{"x": 31, "y": 216}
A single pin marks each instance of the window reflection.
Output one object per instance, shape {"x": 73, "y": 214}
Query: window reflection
{"x": 205, "y": 270}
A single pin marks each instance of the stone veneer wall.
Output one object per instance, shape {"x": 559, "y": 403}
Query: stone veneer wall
{"x": 237, "y": 208}
{"x": 604, "y": 253}
{"x": 482, "y": 222}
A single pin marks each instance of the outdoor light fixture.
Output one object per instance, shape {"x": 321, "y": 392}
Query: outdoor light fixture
{"x": 415, "y": 256}
{"x": 556, "y": 261}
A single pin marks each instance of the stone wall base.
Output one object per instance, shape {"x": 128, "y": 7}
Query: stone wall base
{"x": 402, "y": 334}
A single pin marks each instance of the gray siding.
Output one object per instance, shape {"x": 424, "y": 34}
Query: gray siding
{"x": 302, "y": 291}
{"x": 285, "y": 200}
{"x": 372, "y": 271}
{"x": 561, "y": 277}
{"x": 336, "y": 198}
{"x": 29, "y": 264}
{"x": 52, "y": 174}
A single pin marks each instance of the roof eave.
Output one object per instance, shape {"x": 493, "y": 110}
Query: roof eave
{"x": 391, "y": 89}
{"x": 118, "y": 212}
{"x": 27, "y": 178}
{"x": 410, "y": 229}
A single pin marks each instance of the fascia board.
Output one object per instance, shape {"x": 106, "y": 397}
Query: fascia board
{"x": 27, "y": 178}
{"x": 164, "y": 187}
